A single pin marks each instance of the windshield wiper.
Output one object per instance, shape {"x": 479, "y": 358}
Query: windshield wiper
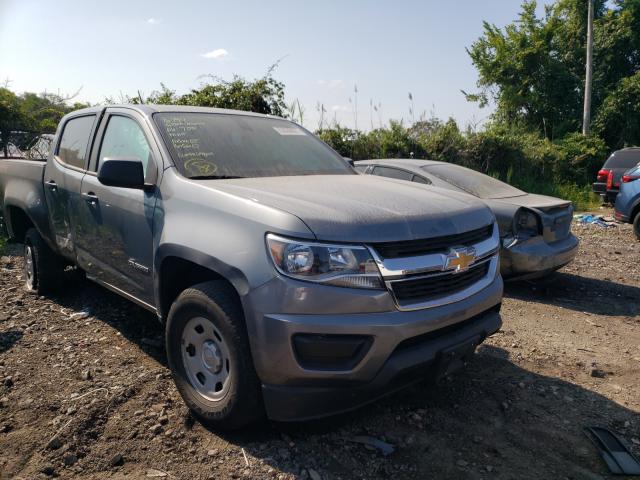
{"x": 213, "y": 177}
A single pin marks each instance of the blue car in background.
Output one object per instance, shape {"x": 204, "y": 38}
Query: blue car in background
{"x": 628, "y": 200}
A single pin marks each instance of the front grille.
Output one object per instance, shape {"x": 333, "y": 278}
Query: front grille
{"x": 412, "y": 248}
{"x": 435, "y": 286}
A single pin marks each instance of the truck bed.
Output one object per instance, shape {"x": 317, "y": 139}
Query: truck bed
{"x": 21, "y": 185}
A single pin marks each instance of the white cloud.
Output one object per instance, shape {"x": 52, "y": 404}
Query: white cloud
{"x": 331, "y": 83}
{"x": 154, "y": 21}
{"x": 218, "y": 53}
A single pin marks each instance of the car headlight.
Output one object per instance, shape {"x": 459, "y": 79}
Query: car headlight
{"x": 526, "y": 223}
{"x": 338, "y": 265}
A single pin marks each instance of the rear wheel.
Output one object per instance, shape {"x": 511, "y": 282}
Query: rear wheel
{"x": 42, "y": 267}
{"x": 209, "y": 356}
{"x": 636, "y": 225}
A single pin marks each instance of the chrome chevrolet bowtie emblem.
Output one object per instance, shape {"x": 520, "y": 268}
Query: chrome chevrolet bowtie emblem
{"x": 460, "y": 259}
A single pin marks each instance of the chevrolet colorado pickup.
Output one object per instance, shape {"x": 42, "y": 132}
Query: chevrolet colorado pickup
{"x": 287, "y": 284}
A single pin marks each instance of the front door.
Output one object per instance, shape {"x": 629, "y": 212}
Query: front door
{"x": 115, "y": 234}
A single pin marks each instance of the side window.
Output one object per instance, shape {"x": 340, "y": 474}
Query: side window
{"x": 392, "y": 173}
{"x": 75, "y": 139}
{"x": 418, "y": 179}
{"x": 124, "y": 138}
{"x": 361, "y": 168}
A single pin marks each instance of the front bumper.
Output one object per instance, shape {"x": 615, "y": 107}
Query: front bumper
{"x": 535, "y": 257}
{"x": 405, "y": 346}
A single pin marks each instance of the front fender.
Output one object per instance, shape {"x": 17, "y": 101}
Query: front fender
{"x": 230, "y": 273}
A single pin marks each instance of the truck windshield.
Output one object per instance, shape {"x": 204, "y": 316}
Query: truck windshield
{"x": 214, "y": 145}
{"x": 475, "y": 183}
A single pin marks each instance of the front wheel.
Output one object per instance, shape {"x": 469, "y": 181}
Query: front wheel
{"x": 209, "y": 356}
{"x": 636, "y": 225}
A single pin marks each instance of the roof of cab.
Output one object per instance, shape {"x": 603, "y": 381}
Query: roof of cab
{"x": 148, "y": 110}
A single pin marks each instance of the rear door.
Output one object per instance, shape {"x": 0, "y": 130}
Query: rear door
{"x": 115, "y": 235}
{"x": 63, "y": 177}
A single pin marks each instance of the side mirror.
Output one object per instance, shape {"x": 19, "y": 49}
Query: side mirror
{"x": 349, "y": 161}
{"x": 121, "y": 172}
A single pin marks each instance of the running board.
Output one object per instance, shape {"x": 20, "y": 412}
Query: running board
{"x": 124, "y": 294}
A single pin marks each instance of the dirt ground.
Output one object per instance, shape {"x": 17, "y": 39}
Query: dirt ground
{"x": 85, "y": 391}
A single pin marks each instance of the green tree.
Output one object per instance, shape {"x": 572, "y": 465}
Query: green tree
{"x": 11, "y": 117}
{"x": 23, "y": 116}
{"x": 264, "y": 95}
{"x": 533, "y": 69}
{"x": 618, "y": 119}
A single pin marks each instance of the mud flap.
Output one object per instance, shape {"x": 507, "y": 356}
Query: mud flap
{"x": 455, "y": 357}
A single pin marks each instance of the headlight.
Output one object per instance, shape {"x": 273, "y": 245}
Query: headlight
{"x": 526, "y": 223}
{"x": 338, "y": 265}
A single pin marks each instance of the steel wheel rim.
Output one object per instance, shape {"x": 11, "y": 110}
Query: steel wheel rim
{"x": 29, "y": 268}
{"x": 206, "y": 359}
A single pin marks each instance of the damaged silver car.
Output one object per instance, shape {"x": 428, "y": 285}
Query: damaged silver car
{"x": 535, "y": 230}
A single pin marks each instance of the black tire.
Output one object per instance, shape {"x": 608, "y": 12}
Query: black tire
{"x": 218, "y": 303}
{"x": 47, "y": 267}
{"x": 636, "y": 225}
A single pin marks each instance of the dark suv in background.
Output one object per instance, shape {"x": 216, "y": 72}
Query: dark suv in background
{"x": 607, "y": 183}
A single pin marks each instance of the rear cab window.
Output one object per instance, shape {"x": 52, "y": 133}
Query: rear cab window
{"x": 623, "y": 159}
{"x": 72, "y": 150}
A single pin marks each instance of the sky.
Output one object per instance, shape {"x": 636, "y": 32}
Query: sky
{"x": 387, "y": 49}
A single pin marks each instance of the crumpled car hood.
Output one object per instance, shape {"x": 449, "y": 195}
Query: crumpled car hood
{"x": 363, "y": 208}
{"x": 505, "y": 208}
{"x": 533, "y": 200}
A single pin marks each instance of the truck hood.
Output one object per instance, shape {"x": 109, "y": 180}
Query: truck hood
{"x": 362, "y": 208}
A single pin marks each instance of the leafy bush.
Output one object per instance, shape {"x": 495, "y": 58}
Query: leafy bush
{"x": 25, "y": 115}
{"x": 580, "y": 158}
{"x": 264, "y": 95}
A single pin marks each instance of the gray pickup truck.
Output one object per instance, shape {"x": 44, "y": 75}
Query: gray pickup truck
{"x": 287, "y": 283}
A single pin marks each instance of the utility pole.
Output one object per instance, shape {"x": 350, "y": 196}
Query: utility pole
{"x": 355, "y": 92}
{"x": 586, "y": 117}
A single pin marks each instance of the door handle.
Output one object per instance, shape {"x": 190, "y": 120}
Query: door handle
{"x": 53, "y": 186}
{"x": 90, "y": 197}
